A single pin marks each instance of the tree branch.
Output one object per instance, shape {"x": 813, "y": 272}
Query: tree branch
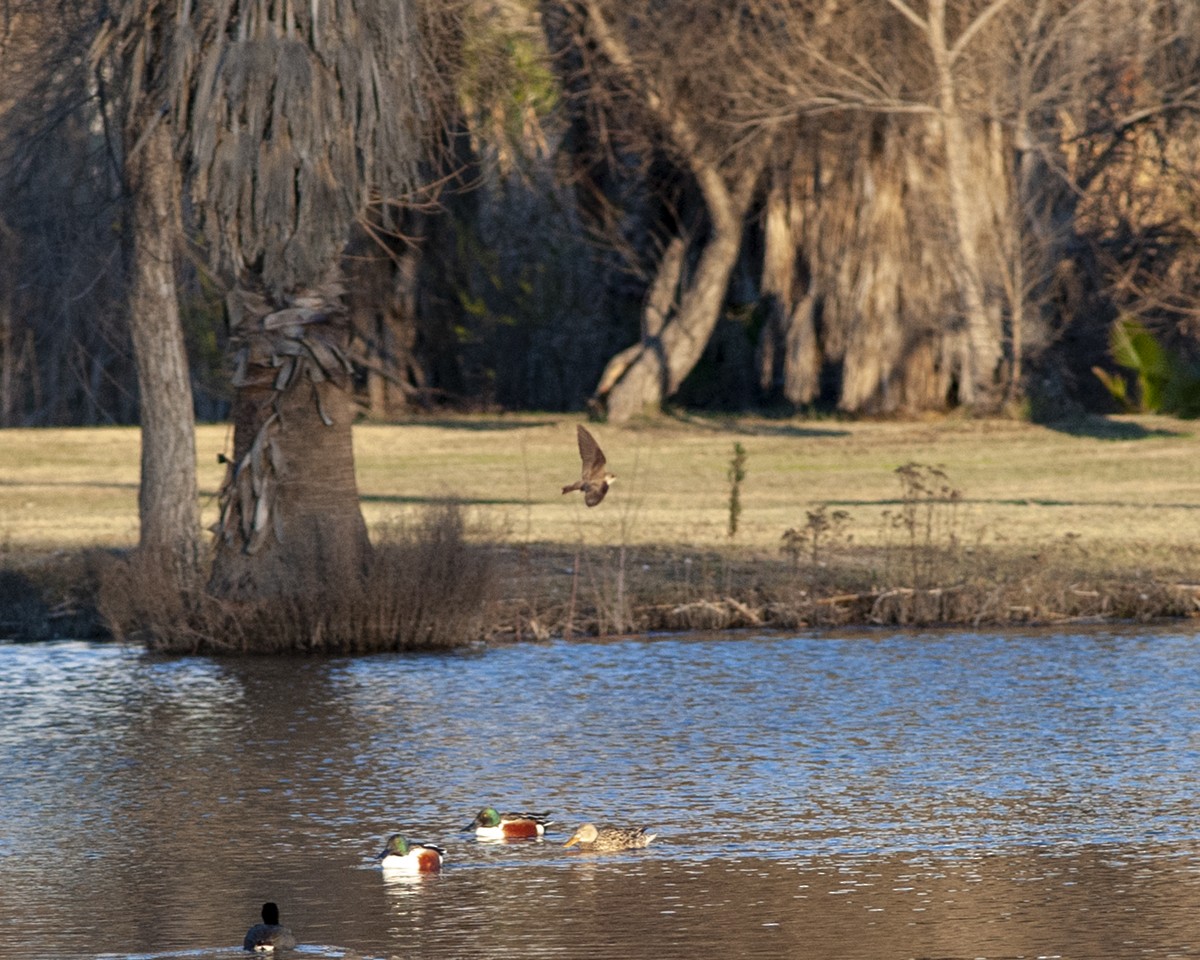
{"x": 685, "y": 137}
{"x": 974, "y": 27}
{"x": 910, "y": 15}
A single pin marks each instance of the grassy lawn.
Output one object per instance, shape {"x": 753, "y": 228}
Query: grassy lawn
{"x": 1114, "y": 498}
{"x": 1129, "y": 481}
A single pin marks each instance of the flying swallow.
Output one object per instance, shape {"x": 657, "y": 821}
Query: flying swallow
{"x": 595, "y": 480}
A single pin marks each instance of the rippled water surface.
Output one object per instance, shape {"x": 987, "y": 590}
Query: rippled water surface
{"x": 878, "y": 795}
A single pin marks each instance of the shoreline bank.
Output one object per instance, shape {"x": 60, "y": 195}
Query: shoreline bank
{"x": 552, "y": 591}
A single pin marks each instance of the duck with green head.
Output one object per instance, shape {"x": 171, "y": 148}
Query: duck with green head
{"x": 490, "y": 824}
{"x": 403, "y": 856}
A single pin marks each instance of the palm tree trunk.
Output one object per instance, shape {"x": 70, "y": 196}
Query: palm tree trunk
{"x": 290, "y": 518}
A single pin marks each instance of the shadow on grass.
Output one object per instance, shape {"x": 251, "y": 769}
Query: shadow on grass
{"x": 756, "y": 428}
{"x": 1024, "y": 502}
{"x": 475, "y": 426}
{"x": 80, "y": 484}
{"x": 1103, "y": 428}
{"x": 396, "y": 499}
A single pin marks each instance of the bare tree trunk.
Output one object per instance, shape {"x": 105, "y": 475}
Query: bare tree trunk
{"x": 982, "y": 341}
{"x": 167, "y": 497}
{"x": 660, "y": 302}
{"x": 642, "y": 377}
{"x": 661, "y": 362}
{"x": 1040, "y": 226}
{"x": 290, "y": 516}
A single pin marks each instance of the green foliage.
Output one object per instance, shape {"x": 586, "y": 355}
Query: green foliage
{"x": 737, "y": 473}
{"x": 1166, "y": 381}
{"x": 472, "y": 306}
{"x": 505, "y": 78}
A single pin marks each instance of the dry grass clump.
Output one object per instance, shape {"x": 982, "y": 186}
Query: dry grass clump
{"x": 433, "y": 587}
{"x": 427, "y": 588}
{"x": 740, "y": 589}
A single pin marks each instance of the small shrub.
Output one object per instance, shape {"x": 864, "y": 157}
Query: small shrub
{"x": 737, "y": 473}
{"x": 821, "y": 527}
{"x": 429, "y": 587}
{"x": 927, "y": 520}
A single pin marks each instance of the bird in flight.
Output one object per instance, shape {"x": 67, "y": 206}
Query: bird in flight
{"x": 595, "y": 480}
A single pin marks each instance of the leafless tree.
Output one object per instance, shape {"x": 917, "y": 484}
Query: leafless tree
{"x": 1002, "y": 88}
{"x": 669, "y": 104}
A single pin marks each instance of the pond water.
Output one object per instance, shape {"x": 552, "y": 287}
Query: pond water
{"x": 874, "y": 795}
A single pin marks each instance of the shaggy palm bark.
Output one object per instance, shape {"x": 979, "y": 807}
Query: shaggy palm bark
{"x": 167, "y": 496}
{"x": 290, "y": 518}
{"x": 789, "y": 358}
{"x": 868, "y": 221}
{"x": 296, "y": 118}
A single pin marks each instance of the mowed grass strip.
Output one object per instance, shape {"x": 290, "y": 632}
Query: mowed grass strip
{"x": 1127, "y": 486}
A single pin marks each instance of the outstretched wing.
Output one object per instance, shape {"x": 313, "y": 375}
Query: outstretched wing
{"x": 591, "y": 454}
